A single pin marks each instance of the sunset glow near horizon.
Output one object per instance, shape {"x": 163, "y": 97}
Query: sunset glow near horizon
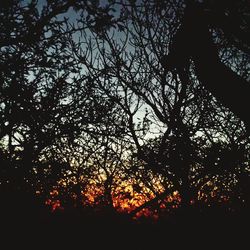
{"x": 126, "y": 199}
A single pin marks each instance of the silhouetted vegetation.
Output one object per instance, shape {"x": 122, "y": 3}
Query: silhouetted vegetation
{"x": 132, "y": 114}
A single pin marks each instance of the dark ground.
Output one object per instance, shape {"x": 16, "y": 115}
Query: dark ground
{"x": 75, "y": 231}
{"x": 27, "y": 225}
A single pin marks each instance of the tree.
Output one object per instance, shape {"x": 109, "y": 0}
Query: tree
{"x": 95, "y": 116}
{"x": 171, "y": 104}
{"x": 201, "y": 25}
{"x": 44, "y": 101}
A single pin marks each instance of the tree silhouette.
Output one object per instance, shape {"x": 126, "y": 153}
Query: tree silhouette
{"x": 124, "y": 107}
{"x": 45, "y": 103}
{"x": 194, "y": 40}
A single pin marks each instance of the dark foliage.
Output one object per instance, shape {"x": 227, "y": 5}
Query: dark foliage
{"x": 124, "y": 120}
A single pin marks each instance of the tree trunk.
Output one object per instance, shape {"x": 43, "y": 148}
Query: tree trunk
{"x": 226, "y": 86}
{"x": 193, "y": 40}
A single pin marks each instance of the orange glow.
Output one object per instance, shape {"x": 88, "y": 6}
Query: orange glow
{"x": 126, "y": 197}
{"x": 129, "y": 195}
{"x": 54, "y": 204}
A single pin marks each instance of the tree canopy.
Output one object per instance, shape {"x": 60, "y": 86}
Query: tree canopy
{"x": 130, "y": 108}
